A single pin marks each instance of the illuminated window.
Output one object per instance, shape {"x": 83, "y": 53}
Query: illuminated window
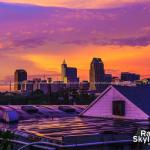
{"x": 118, "y": 108}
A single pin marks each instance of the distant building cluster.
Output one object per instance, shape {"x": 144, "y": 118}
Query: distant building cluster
{"x": 98, "y": 80}
{"x": 69, "y": 80}
{"x": 45, "y": 86}
{"x": 127, "y": 76}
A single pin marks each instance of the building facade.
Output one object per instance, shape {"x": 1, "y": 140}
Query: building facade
{"x": 97, "y": 74}
{"x": 127, "y": 76}
{"x": 121, "y": 102}
{"x": 84, "y": 86}
{"x": 30, "y": 86}
{"x": 69, "y": 75}
{"x": 20, "y": 76}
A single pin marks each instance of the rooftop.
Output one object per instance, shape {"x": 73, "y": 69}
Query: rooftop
{"x": 65, "y": 128}
{"x": 139, "y": 95}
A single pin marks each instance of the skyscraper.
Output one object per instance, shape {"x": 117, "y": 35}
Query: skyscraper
{"x": 97, "y": 73}
{"x": 19, "y": 76}
{"x": 69, "y": 74}
{"x": 63, "y": 70}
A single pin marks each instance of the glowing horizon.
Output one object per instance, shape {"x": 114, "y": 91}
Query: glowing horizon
{"x": 38, "y": 39}
{"x": 76, "y": 4}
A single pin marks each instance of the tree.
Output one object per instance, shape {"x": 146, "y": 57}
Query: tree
{"x": 38, "y": 92}
{"x": 6, "y": 137}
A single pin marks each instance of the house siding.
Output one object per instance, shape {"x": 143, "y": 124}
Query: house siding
{"x": 103, "y": 107}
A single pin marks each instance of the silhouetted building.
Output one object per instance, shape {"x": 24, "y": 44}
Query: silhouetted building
{"x": 146, "y": 81}
{"x": 31, "y": 86}
{"x": 64, "y": 70}
{"x": 57, "y": 86}
{"x": 127, "y": 76}
{"x": 108, "y": 78}
{"x": 97, "y": 74}
{"x": 69, "y": 75}
{"x": 143, "y": 82}
{"x": 36, "y": 84}
{"x": 27, "y": 87}
{"x": 19, "y": 76}
{"x": 46, "y": 86}
{"x": 84, "y": 86}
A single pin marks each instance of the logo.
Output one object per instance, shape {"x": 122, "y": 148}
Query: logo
{"x": 142, "y": 136}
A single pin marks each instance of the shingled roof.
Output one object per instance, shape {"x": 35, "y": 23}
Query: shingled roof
{"x": 140, "y": 96}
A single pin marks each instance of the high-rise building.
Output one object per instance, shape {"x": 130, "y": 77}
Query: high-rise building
{"x": 127, "y": 76}
{"x": 63, "y": 70}
{"x": 69, "y": 75}
{"x": 19, "y": 77}
{"x": 97, "y": 74}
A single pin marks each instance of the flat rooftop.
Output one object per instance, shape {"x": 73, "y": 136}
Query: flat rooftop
{"x": 74, "y": 126}
{"x": 67, "y": 128}
{"x": 58, "y": 128}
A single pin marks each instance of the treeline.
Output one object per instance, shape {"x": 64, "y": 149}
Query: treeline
{"x": 38, "y": 98}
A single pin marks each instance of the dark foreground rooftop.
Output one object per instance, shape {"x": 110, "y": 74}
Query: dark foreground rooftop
{"x": 71, "y": 130}
{"x": 74, "y": 130}
{"x": 58, "y": 128}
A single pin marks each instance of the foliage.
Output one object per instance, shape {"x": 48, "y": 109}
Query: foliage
{"x": 5, "y": 142}
{"x": 66, "y": 97}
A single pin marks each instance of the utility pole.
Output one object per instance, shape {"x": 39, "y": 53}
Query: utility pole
{"x": 10, "y": 85}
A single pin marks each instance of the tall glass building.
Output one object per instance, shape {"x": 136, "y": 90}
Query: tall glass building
{"x": 19, "y": 76}
{"x": 97, "y": 74}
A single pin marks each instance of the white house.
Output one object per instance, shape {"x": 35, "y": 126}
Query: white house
{"x": 121, "y": 102}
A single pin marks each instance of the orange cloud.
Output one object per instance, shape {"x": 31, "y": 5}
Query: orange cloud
{"x": 77, "y": 3}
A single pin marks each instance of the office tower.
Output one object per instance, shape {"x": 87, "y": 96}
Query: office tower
{"x": 127, "y": 76}
{"x": 69, "y": 74}
{"x": 63, "y": 70}
{"x": 97, "y": 74}
{"x": 19, "y": 77}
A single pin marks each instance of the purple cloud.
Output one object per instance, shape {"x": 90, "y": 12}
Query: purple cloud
{"x": 32, "y": 26}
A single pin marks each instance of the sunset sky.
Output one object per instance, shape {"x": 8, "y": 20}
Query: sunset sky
{"x": 40, "y": 36}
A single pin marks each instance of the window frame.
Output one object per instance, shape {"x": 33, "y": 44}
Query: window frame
{"x": 115, "y": 108}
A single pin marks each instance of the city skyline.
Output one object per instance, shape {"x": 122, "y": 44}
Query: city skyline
{"x": 75, "y": 74}
{"x": 40, "y": 40}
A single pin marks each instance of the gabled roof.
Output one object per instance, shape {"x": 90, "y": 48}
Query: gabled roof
{"x": 140, "y": 96}
{"x": 97, "y": 99}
